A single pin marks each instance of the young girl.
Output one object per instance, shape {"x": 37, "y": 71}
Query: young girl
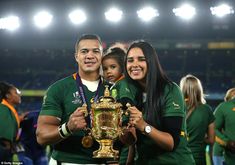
{"x": 121, "y": 90}
{"x": 112, "y": 64}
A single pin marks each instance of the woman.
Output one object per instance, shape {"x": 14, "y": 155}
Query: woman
{"x": 160, "y": 123}
{"x": 199, "y": 118}
{"x": 9, "y": 119}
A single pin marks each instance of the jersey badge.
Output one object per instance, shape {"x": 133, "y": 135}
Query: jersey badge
{"x": 176, "y": 106}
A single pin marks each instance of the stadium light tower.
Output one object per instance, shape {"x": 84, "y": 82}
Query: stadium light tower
{"x": 147, "y": 13}
{"x": 43, "y": 19}
{"x": 77, "y": 17}
{"x": 185, "y": 11}
{"x": 9, "y": 23}
{"x": 113, "y": 15}
{"x": 221, "y": 10}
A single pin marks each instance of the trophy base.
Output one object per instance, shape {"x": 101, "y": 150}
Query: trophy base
{"x": 106, "y": 150}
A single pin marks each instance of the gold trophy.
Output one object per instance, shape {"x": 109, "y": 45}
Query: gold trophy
{"x": 106, "y": 125}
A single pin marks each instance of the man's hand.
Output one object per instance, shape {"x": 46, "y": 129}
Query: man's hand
{"x": 77, "y": 120}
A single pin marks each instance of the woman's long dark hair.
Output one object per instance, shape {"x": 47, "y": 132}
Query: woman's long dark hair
{"x": 156, "y": 80}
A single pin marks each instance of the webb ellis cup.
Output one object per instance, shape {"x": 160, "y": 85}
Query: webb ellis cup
{"x": 106, "y": 125}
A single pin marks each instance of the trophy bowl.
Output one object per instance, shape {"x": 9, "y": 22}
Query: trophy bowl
{"x": 106, "y": 125}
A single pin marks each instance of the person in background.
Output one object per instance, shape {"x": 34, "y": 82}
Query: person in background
{"x": 230, "y": 94}
{"x": 199, "y": 118}
{"x": 62, "y": 121}
{"x": 33, "y": 151}
{"x": 160, "y": 123}
{"x": 9, "y": 119}
{"x": 122, "y": 91}
{"x": 224, "y": 148}
{"x": 122, "y": 46}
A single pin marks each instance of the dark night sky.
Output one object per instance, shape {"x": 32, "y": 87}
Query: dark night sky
{"x": 62, "y": 32}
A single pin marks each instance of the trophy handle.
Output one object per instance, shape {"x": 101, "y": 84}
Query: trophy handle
{"x": 127, "y": 113}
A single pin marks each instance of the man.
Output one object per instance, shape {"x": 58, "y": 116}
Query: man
{"x": 62, "y": 121}
{"x": 224, "y": 128}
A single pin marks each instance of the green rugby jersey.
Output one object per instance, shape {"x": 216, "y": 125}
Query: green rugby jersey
{"x": 149, "y": 152}
{"x": 218, "y": 149}
{"x": 61, "y": 100}
{"x": 8, "y": 124}
{"x": 197, "y": 125}
{"x": 225, "y": 120}
{"x": 123, "y": 89}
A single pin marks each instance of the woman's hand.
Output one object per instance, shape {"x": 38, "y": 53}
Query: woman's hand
{"x": 128, "y": 136}
{"x": 136, "y": 118}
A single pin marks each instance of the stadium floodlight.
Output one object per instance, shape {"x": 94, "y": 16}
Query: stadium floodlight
{"x": 42, "y": 19}
{"x": 147, "y": 13}
{"x": 221, "y": 10}
{"x": 113, "y": 15}
{"x": 9, "y": 23}
{"x": 77, "y": 17}
{"x": 186, "y": 11}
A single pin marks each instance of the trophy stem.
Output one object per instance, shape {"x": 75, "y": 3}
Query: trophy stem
{"x": 105, "y": 150}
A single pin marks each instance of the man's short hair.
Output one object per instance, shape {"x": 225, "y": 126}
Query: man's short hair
{"x": 87, "y": 37}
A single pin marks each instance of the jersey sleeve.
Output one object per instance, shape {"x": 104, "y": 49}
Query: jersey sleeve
{"x": 125, "y": 93}
{"x": 51, "y": 102}
{"x": 173, "y": 102}
{"x": 219, "y": 124}
{"x": 125, "y": 90}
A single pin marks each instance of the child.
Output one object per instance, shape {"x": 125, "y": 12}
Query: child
{"x": 121, "y": 90}
{"x": 112, "y": 64}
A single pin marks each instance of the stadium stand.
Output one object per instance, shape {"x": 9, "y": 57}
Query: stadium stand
{"x": 38, "y": 69}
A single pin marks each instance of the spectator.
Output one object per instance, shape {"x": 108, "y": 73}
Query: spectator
{"x": 225, "y": 132}
{"x": 199, "y": 118}
{"x": 33, "y": 151}
{"x": 9, "y": 118}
